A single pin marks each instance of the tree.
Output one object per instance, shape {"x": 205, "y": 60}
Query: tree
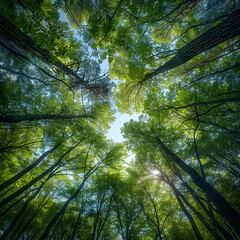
{"x": 176, "y": 63}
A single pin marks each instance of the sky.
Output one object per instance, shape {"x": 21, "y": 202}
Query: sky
{"x": 114, "y": 132}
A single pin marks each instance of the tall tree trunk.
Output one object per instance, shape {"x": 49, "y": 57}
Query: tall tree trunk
{"x": 205, "y": 223}
{"x": 99, "y": 208}
{"x": 224, "y": 100}
{"x": 223, "y": 206}
{"x": 187, "y": 213}
{"x": 218, "y": 34}
{"x": 39, "y": 208}
{"x": 16, "y": 202}
{"x": 105, "y": 218}
{"x": 76, "y": 225}
{"x": 36, "y": 117}
{"x": 26, "y": 170}
{"x": 13, "y": 35}
{"x": 61, "y": 211}
{"x": 24, "y": 207}
{"x": 34, "y": 180}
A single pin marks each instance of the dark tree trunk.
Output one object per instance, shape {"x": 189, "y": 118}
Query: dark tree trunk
{"x": 24, "y": 207}
{"x": 26, "y": 170}
{"x": 223, "y": 206}
{"x": 99, "y": 208}
{"x": 105, "y": 219}
{"x": 13, "y": 35}
{"x": 187, "y": 213}
{"x": 61, "y": 211}
{"x": 34, "y": 180}
{"x": 36, "y": 117}
{"x": 76, "y": 225}
{"x": 39, "y": 208}
{"x": 218, "y": 34}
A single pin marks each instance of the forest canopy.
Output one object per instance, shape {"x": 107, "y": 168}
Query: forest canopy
{"x": 175, "y": 63}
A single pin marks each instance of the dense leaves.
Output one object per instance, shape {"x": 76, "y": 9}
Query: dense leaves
{"x": 176, "y": 63}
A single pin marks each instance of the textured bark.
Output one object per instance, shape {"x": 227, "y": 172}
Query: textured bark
{"x": 26, "y": 170}
{"x": 36, "y": 117}
{"x": 216, "y": 35}
{"x": 223, "y": 206}
{"x": 13, "y": 35}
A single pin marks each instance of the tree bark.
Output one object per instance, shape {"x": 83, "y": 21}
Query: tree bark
{"x": 216, "y": 35}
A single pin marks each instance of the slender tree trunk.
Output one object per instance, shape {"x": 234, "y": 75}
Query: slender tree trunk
{"x": 13, "y": 35}
{"x": 188, "y": 214}
{"x": 201, "y": 218}
{"x": 36, "y": 179}
{"x": 119, "y": 219}
{"x": 218, "y": 34}
{"x": 16, "y": 202}
{"x": 26, "y": 170}
{"x": 36, "y": 117}
{"x": 157, "y": 225}
{"x": 61, "y": 212}
{"x": 224, "y": 100}
{"x": 76, "y": 225}
{"x": 39, "y": 208}
{"x": 20, "y": 213}
{"x": 99, "y": 208}
{"x": 223, "y": 206}
{"x": 105, "y": 219}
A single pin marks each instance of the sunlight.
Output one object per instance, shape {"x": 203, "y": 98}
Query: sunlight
{"x": 155, "y": 172}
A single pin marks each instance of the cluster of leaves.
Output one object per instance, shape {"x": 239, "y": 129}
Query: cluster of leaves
{"x": 61, "y": 178}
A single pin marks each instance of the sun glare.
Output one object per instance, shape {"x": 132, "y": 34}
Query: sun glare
{"x": 155, "y": 172}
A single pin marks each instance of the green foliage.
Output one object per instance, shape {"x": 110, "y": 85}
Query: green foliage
{"x": 85, "y": 188}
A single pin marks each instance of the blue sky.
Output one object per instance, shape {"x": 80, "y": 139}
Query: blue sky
{"x": 114, "y": 132}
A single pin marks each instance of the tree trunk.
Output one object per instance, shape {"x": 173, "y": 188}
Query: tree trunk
{"x": 76, "y": 225}
{"x": 218, "y": 34}
{"x": 223, "y": 206}
{"x": 26, "y": 170}
{"x": 13, "y": 35}
{"x": 36, "y": 117}
{"x": 20, "y": 213}
{"x": 105, "y": 218}
{"x": 224, "y": 100}
{"x": 187, "y": 213}
{"x": 39, "y": 208}
{"x": 34, "y": 180}
{"x": 61, "y": 211}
